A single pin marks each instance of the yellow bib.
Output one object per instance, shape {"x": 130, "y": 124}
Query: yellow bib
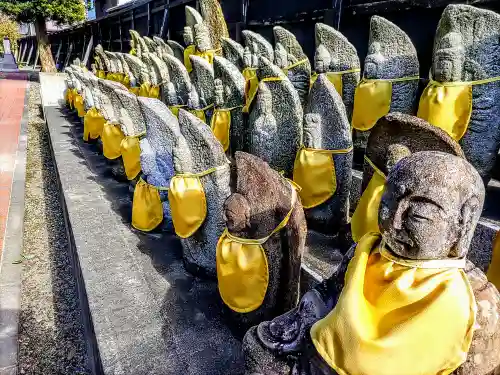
{"x": 79, "y": 106}
{"x": 187, "y": 201}
{"x": 208, "y": 55}
{"x": 301, "y": 62}
{"x": 394, "y": 318}
{"x": 111, "y": 137}
{"x": 242, "y": 268}
{"x": 221, "y": 125}
{"x": 101, "y": 74}
{"x": 145, "y": 89}
{"x": 175, "y": 109}
{"x": 335, "y": 78}
{"x": 126, "y": 81}
{"x": 93, "y": 123}
{"x": 147, "y": 209}
{"x": 365, "y": 217}
{"x": 251, "y": 86}
{"x": 131, "y": 155}
{"x": 494, "y": 268}
{"x": 69, "y": 97}
{"x": 135, "y": 90}
{"x": 448, "y": 105}
{"x": 200, "y": 113}
{"x": 110, "y": 76}
{"x": 154, "y": 92}
{"x": 133, "y": 52}
{"x": 314, "y": 172}
{"x": 188, "y": 51}
{"x": 372, "y": 100}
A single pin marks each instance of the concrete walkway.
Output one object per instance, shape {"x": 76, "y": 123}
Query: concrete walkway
{"x": 13, "y": 120}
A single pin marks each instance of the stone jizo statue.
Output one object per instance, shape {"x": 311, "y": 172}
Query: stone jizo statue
{"x": 428, "y": 214}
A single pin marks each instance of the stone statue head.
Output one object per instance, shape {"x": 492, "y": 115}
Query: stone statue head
{"x": 391, "y": 53}
{"x": 103, "y": 58}
{"x": 233, "y": 51}
{"x": 230, "y": 81}
{"x": 162, "y": 47}
{"x": 138, "y": 69}
{"x": 258, "y": 45}
{"x": 138, "y": 43}
{"x": 431, "y": 205}
{"x": 178, "y": 50}
{"x": 192, "y": 18}
{"x": 202, "y": 78}
{"x": 180, "y": 87}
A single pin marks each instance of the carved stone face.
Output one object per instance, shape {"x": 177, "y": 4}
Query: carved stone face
{"x": 431, "y": 205}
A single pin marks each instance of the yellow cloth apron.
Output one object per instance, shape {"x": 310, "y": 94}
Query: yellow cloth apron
{"x": 126, "y": 81}
{"x": 101, "y": 74}
{"x": 133, "y": 52}
{"x": 221, "y": 125}
{"x": 69, "y": 96}
{"x": 396, "y": 316}
{"x": 188, "y": 202}
{"x": 300, "y": 62}
{"x": 207, "y": 55}
{"x": 252, "y": 94}
{"x": 145, "y": 89}
{"x": 134, "y": 90}
{"x": 147, "y": 209}
{"x": 335, "y": 78}
{"x": 242, "y": 268}
{"x": 154, "y": 92}
{"x": 448, "y": 105}
{"x": 130, "y": 151}
{"x": 111, "y": 137}
{"x": 251, "y": 86}
{"x": 175, "y": 109}
{"x": 372, "y": 100}
{"x": 93, "y": 122}
{"x": 365, "y": 217}
{"x": 200, "y": 113}
{"x": 111, "y": 76}
{"x": 79, "y": 106}
{"x": 188, "y": 51}
{"x": 494, "y": 268}
{"x": 314, "y": 172}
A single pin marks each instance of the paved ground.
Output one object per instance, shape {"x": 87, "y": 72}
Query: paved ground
{"x": 51, "y": 337}
{"x": 11, "y": 109}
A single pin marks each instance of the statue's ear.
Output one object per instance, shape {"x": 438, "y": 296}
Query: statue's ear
{"x": 395, "y": 153}
{"x": 467, "y": 225}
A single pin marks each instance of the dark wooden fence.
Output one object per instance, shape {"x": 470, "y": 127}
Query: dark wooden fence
{"x": 165, "y": 18}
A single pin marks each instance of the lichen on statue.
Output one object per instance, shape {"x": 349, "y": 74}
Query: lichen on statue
{"x": 428, "y": 213}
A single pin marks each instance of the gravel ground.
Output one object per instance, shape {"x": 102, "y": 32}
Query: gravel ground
{"x": 51, "y": 339}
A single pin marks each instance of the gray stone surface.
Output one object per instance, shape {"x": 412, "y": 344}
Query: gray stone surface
{"x": 154, "y": 77}
{"x": 466, "y": 49}
{"x": 161, "y": 71}
{"x": 162, "y": 47}
{"x": 327, "y": 127}
{"x": 113, "y": 67}
{"x": 177, "y": 49}
{"x": 213, "y": 16}
{"x": 334, "y": 53}
{"x": 10, "y": 275}
{"x": 205, "y": 152}
{"x": 103, "y": 58}
{"x": 256, "y": 45}
{"x": 149, "y": 315}
{"x": 275, "y": 121}
{"x": 230, "y": 93}
{"x": 233, "y": 51}
{"x": 138, "y": 44}
{"x": 179, "y": 89}
{"x": 131, "y": 118}
{"x": 202, "y": 78}
{"x": 139, "y": 71}
{"x": 287, "y": 51}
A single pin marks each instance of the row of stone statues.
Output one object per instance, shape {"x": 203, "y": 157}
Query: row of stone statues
{"x": 208, "y": 143}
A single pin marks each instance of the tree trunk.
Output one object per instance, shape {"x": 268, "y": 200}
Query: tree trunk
{"x": 46, "y": 59}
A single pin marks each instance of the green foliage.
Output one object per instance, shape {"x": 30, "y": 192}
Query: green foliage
{"x": 8, "y": 29}
{"x": 61, "y": 11}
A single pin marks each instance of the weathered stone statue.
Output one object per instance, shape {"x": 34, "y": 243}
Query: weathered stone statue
{"x": 153, "y": 72}
{"x": 163, "y": 140}
{"x": 253, "y": 212}
{"x": 128, "y": 77}
{"x": 428, "y": 214}
{"x": 88, "y": 98}
{"x": 214, "y": 19}
{"x": 288, "y": 55}
{"x": 256, "y": 45}
{"x": 466, "y": 51}
{"x": 229, "y": 98}
{"x": 162, "y": 47}
{"x": 323, "y": 168}
{"x": 162, "y": 77}
{"x": 400, "y": 131}
{"x": 179, "y": 88}
{"x": 206, "y": 157}
{"x": 275, "y": 121}
{"x": 338, "y": 58}
{"x": 152, "y": 46}
{"x": 139, "y": 73}
{"x": 202, "y": 78}
{"x": 393, "y": 59}
{"x": 102, "y": 59}
{"x": 233, "y": 51}
{"x": 138, "y": 44}
{"x": 177, "y": 49}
